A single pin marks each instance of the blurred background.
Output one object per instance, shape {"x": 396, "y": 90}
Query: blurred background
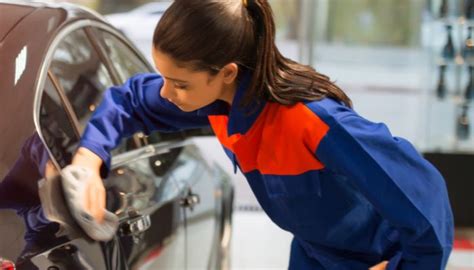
{"x": 382, "y": 53}
{"x": 407, "y": 63}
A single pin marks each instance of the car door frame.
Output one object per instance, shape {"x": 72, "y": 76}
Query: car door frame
{"x": 140, "y": 147}
{"x": 44, "y": 72}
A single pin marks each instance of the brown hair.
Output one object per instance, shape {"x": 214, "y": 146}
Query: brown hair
{"x": 209, "y": 34}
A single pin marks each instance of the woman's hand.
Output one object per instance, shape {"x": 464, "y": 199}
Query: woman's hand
{"x": 94, "y": 201}
{"x": 380, "y": 266}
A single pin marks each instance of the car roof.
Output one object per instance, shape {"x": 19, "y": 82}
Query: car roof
{"x": 26, "y": 32}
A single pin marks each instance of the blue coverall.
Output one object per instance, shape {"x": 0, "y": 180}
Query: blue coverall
{"x": 350, "y": 193}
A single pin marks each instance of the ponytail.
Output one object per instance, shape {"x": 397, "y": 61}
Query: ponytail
{"x": 209, "y": 34}
{"x": 280, "y": 79}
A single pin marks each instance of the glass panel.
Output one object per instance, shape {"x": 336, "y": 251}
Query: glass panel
{"x": 287, "y": 21}
{"x": 83, "y": 77}
{"x": 125, "y": 60}
{"x": 56, "y": 127}
{"x": 374, "y": 23}
{"x": 383, "y": 33}
{"x": 81, "y": 74}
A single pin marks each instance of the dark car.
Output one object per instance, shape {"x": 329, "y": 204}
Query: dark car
{"x": 174, "y": 205}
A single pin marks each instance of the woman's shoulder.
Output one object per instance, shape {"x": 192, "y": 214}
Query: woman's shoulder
{"x": 337, "y": 115}
{"x": 329, "y": 110}
{"x": 326, "y": 111}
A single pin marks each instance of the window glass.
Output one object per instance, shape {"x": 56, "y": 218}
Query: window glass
{"x": 286, "y": 15}
{"x": 81, "y": 74}
{"x": 125, "y": 61}
{"x": 56, "y": 126}
{"x": 374, "y": 23}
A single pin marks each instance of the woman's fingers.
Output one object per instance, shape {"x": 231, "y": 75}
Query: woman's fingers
{"x": 380, "y": 266}
{"x": 101, "y": 203}
{"x": 87, "y": 199}
{"x": 95, "y": 198}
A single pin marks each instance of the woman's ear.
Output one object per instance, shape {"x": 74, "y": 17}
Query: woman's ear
{"x": 230, "y": 72}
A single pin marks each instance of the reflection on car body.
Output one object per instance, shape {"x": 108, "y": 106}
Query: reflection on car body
{"x": 174, "y": 207}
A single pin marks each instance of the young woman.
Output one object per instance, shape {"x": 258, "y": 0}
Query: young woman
{"x": 352, "y": 195}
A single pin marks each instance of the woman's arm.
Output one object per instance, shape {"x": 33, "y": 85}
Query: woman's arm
{"x": 402, "y": 186}
{"x": 137, "y": 106}
{"x": 127, "y": 109}
{"x": 380, "y": 266}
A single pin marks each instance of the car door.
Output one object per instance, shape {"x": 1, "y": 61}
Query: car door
{"x": 201, "y": 198}
{"x": 169, "y": 231}
{"x": 190, "y": 173}
{"x": 81, "y": 73}
{"x": 61, "y": 137}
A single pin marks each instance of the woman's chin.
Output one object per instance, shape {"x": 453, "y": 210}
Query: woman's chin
{"x": 185, "y": 108}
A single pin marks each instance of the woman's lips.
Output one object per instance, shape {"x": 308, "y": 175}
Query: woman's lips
{"x": 171, "y": 101}
{"x": 177, "y": 104}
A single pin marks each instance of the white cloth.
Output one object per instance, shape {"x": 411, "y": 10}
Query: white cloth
{"x": 74, "y": 182}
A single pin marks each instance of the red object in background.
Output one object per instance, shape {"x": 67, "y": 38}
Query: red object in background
{"x": 463, "y": 244}
{"x": 154, "y": 254}
{"x": 6, "y": 265}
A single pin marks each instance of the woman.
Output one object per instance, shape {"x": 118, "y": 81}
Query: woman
{"x": 353, "y": 196}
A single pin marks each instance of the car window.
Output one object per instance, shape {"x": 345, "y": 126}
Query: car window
{"x": 125, "y": 60}
{"x": 81, "y": 74}
{"x": 83, "y": 77}
{"x": 56, "y": 126}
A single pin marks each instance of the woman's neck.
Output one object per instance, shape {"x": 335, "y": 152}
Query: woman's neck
{"x": 228, "y": 92}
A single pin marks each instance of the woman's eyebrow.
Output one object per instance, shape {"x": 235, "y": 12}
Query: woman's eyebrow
{"x": 176, "y": 80}
{"x": 168, "y": 78}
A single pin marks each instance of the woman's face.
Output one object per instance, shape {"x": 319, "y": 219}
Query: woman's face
{"x": 191, "y": 90}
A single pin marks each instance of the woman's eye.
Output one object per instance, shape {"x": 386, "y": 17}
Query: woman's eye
{"x": 180, "y": 86}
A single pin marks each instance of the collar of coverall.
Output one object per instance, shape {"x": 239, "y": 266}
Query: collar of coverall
{"x": 241, "y": 118}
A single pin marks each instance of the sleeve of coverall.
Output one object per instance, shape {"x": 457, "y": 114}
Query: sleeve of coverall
{"x": 402, "y": 186}
{"x": 137, "y": 106}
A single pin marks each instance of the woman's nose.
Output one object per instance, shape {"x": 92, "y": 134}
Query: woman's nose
{"x": 167, "y": 91}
